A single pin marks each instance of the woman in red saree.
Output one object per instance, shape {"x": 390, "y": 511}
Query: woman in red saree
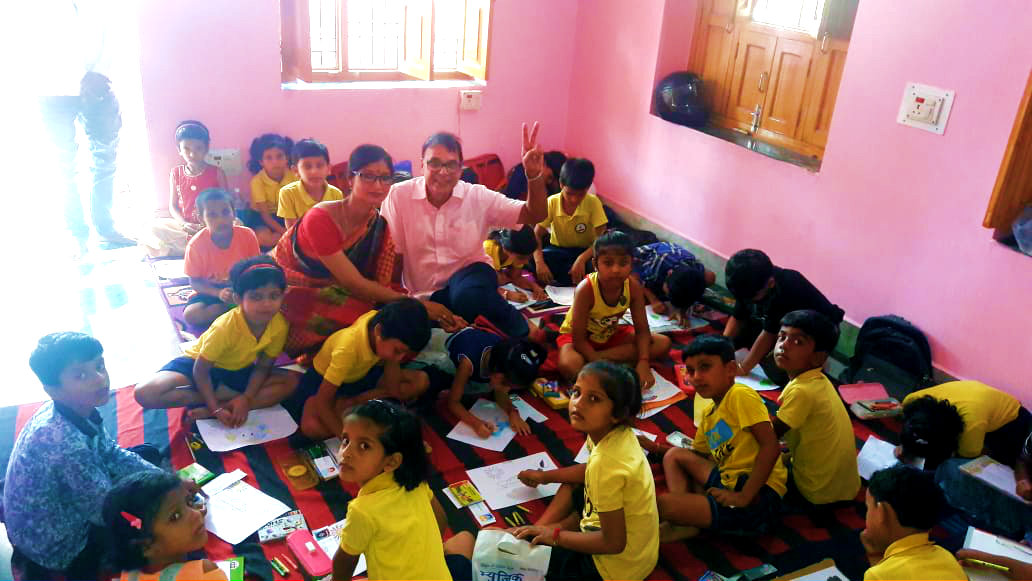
{"x": 339, "y": 258}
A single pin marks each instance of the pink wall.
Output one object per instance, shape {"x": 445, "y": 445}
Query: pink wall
{"x": 219, "y": 62}
{"x": 892, "y": 223}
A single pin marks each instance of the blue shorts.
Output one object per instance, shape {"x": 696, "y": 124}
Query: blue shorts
{"x": 460, "y": 567}
{"x": 235, "y": 380}
{"x": 311, "y": 380}
{"x": 750, "y": 520}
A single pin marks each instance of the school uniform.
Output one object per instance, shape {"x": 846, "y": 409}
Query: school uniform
{"x": 603, "y": 328}
{"x": 723, "y": 435}
{"x": 207, "y": 261}
{"x": 570, "y": 234}
{"x": 993, "y": 420}
{"x": 232, "y": 349}
{"x": 265, "y": 190}
{"x": 653, "y": 262}
{"x": 473, "y": 345}
{"x": 346, "y": 360}
{"x": 397, "y": 532}
{"x": 820, "y": 439}
{"x": 294, "y": 200}
{"x": 494, "y": 252}
{"x": 916, "y": 557}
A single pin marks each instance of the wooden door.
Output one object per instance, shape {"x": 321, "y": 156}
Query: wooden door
{"x": 749, "y": 78}
{"x": 829, "y": 62}
{"x": 785, "y": 90}
{"x": 714, "y": 51}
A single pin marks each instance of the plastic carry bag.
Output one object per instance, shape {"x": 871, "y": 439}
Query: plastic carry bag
{"x": 499, "y": 556}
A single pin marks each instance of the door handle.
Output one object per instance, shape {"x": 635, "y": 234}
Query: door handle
{"x": 824, "y": 43}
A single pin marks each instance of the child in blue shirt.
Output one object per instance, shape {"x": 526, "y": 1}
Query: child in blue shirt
{"x": 63, "y": 464}
{"x": 482, "y": 356}
{"x": 669, "y": 272}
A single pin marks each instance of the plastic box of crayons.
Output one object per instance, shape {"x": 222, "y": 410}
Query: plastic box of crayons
{"x": 551, "y": 393}
{"x": 322, "y": 458}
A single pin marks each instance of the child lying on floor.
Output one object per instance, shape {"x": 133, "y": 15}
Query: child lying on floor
{"x": 509, "y": 251}
{"x": 486, "y": 357}
{"x": 229, "y": 372}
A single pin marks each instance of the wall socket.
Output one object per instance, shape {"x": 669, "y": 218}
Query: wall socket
{"x": 227, "y": 159}
{"x": 469, "y": 100}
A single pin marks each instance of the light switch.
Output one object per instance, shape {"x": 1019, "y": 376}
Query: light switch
{"x": 469, "y": 100}
{"x": 925, "y": 107}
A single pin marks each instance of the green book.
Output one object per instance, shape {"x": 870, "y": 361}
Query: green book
{"x": 233, "y": 568}
{"x": 199, "y": 474}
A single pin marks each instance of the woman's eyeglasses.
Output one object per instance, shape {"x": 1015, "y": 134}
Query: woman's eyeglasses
{"x": 373, "y": 178}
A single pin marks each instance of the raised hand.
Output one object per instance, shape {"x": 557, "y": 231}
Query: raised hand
{"x": 533, "y": 157}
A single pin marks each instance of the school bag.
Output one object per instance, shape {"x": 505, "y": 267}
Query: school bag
{"x": 893, "y": 352}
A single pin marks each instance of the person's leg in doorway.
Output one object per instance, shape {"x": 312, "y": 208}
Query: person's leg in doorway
{"x": 59, "y": 114}
{"x": 102, "y": 119}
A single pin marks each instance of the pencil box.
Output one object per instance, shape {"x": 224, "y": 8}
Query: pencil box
{"x": 867, "y": 409}
{"x": 309, "y": 554}
{"x": 550, "y": 392}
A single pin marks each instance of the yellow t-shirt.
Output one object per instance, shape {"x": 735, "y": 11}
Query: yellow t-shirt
{"x": 603, "y": 319}
{"x": 984, "y": 409}
{"x": 265, "y": 190}
{"x": 396, "y": 531}
{"x": 494, "y": 252}
{"x": 619, "y": 477}
{"x": 916, "y": 557}
{"x": 723, "y": 434}
{"x": 347, "y": 356}
{"x": 229, "y": 344}
{"x": 820, "y": 440}
{"x": 576, "y": 230}
{"x": 294, "y": 200}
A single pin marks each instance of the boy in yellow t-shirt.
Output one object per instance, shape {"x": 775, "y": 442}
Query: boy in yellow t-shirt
{"x": 812, "y": 417}
{"x": 966, "y": 418}
{"x": 576, "y": 219}
{"x": 312, "y": 160}
{"x": 363, "y": 362}
{"x": 903, "y": 503}
{"x": 732, "y": 479}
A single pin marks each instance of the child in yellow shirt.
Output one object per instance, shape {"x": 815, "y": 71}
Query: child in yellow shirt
{"x": 603, "y": 522}
{"x": 312, "y": 161}
{"x": 903, "y": 503}
{"x": 592, "y": 329}
{"x": 270, "y": 164}
{"x": 395, "y": 521}
{"x": 509, "y": 251}
{"x": 576, "y": 219}
{"x": 812, "y": 417}
{"x": 732, "y": 479}
{"x": 363, "y": 362}
{"x": 229, "y": 372}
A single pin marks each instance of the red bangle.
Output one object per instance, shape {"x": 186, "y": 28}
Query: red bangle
{"x": 555, "y": 536}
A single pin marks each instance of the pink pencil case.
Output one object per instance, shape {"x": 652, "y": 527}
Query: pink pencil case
{"x": 309, "y": 554}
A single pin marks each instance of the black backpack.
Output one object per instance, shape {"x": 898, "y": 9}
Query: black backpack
{"x": 893, "y": 352}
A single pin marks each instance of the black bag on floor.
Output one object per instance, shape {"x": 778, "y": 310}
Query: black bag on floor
{"x": 893, "y": 352}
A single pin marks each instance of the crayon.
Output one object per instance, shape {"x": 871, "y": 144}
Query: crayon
{"x": 981, "y": 563}
{"x": 285, "y": 559}
{"x": 283, "y": 571}
{"x": 523, "y": 508}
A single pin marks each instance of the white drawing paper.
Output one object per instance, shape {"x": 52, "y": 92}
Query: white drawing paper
{"x": 993, "y": 473}
{"x": 662, "y": 389}
{"x": 561, "y": 295}
{"x": 980, "y": 540}
{"x": 500, "y": 487}
{"x": 262, "y": 425}
{"x": 664, "y": 323}
{"x": 875, "y": 455}
{"x": 236, "y": 509}
{"x": 526, "y": 411}
{"x": 828, "y": 573}
{"x": 328, "y": 539}
{"x": 519, "y": 305}
{"x": 490, "y": 412}
{"x": 170, "y": 269}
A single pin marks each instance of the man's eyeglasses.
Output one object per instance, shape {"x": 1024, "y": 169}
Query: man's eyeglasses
{"x": 373, "y": 178}
{"x": 438, "y": 165}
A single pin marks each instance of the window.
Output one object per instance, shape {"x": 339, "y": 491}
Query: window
{"x": 1013, "y": 189}
{"x": 771, "y": 68}
{"x": 384, "y": 40}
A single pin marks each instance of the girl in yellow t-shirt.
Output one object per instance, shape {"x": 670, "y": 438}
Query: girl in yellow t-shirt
{"x": 152, "y": 524}
{"x": 510, "y": 251}
{"x": 395, "y": 521}
{"x": 603, "y": 522}
{"x": 270, "y": 164}
{"x": 592, "y": 329}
